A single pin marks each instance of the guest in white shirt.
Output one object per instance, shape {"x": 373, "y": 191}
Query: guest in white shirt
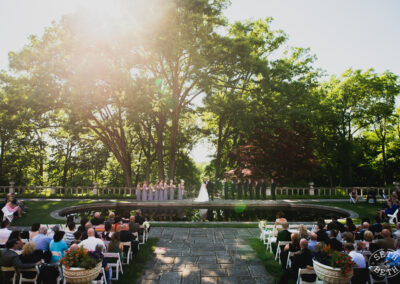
{"x": 5, "y": 232}
{"x": 91, "y": 242}
{"x": 357, "y": 257}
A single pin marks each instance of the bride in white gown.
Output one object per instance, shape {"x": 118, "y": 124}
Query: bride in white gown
{"x": 203, "y": 194}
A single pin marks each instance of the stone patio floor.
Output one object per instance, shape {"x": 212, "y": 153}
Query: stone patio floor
{"x": 204, "y": 255}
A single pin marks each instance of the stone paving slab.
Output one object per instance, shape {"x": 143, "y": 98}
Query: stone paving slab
{"x": 205, "y": 255}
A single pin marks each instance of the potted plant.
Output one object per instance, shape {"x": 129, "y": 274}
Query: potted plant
{"x": 333, "y": 267}
{"x": 81, "y": 265}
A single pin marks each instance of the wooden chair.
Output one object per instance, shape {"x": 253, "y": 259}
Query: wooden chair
{"x": 303, "y": 271}
{"x": 32, "y": 280}
{"x": 10, "y": 269}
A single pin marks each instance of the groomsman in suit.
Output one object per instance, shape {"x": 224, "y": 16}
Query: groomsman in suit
{"x": 226, "y": 188}
{"x": 233, "y": 189}
{"x": 273, "y": 188}
{"x": 210, "y": 189}
{"x": 245, "y": 188}
{"x": 239, "y": 188}
{"x": 258, "y": 189}
{"x": 251, "y": 185}
{"x": 263, "y": 187}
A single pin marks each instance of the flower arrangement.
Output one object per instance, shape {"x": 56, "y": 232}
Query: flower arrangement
{"x": 146, "y": 224}
{"x": 262, "y": 224}
{"x": 335, "y": 259}
{"x": 81, "y": 258}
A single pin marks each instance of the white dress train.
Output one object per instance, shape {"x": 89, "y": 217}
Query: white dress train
{"x": 203, "y": 194}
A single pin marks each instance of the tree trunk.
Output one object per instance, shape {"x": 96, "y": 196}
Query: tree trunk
{"x": 159, "y": 152}
{"x": 66, "y": 165}
{"x": 172, "y": 154}
{"x": 384, "y": 162}
{"x": 219, "y": 150}
{"x": 3, "y": 144}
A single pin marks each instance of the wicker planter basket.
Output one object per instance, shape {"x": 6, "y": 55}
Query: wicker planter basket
{"x": 81, "y": 275}
{"x": 331, "y": 275}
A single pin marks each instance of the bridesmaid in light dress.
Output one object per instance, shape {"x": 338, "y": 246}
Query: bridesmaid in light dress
{"x": 171, "y": 190}
{"x": 161, "y": 190}
{"x": 181, "y": 187}
{"x": 144, "y": 192}
{"x": 151, "y": 191}
{"x": 138, "y": 191}
{"x": 156, "y": 191}
{"x": 165, "y": 190}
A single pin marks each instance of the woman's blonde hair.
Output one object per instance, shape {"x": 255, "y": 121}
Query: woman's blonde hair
{"x": 303, "y": 231}
{"x": 368, "y": 236}
{"x": 295, "y": 237}
{"x": 28, "y": 248}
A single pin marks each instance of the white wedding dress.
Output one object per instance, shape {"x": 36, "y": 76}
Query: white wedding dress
{"x": 203, "y": 194}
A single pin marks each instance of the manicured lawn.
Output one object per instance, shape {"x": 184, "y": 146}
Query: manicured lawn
{"x": 133, "y": 271}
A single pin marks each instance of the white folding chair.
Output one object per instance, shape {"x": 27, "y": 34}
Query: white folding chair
{"x": 129, "y": 253}
{"x": 7, "y": 214}
{"x": 278, "y": 250}
{"x": 32, "y": 280}
{"x": 117, "y": 265}
{"x": 303, "y": 271}
{"x": 102, "y": 279}
{"x": 352, "y": 200}
{"x": 289, "y": 261}
{"x": 393, "y": 216}
{"x": 10, "y": 269}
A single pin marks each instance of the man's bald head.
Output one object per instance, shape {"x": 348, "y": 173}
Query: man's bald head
{"x": 88, "y": 225}
{"x": 90, "y": 232}
{"x": 125, "y": 227}
{"x": 97, "y": 214}
{"x": 386, "y": 233}
{"x": 132, "y": 218}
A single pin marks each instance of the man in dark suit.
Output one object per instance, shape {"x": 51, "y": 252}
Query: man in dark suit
{"x": 10, "y": 258}
{"x": 263, "y": 187}
{"x": 245, "y": 188}
{"x": 233, "y": 189}
{"x": 226, "y": 188}
{"x": 239, "y": 188}
{"x": 301, "y": 259}
{"x": 273, "y": 188}
{"x": 210, "y": 189}
{"x": 258, "y": 189}
{"x": 251, "y": 188}
{"x": 333, "y": 242}
{"x": 387, "y": 242}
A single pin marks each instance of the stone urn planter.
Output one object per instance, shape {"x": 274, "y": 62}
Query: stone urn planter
{"x": 331, "y": 275}
{"x": 77, "y": 275}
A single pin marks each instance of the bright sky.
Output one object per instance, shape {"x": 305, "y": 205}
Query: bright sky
{"x": 341, "y": 33}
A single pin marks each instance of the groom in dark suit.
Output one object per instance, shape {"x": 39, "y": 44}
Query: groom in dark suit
{"x": 210, "y": 189}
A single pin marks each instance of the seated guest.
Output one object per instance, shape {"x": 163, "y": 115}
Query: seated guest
{"x": 83, "y": 222}
{"x": 69, "y": 235}
{"x": 49, "y": 271}
{"x": 5, "y": 231}
{"x": 70, "y": 218}
{"x": 97, "y": 219}
{"x": 313, "y": 241}
{"x": 339, "y": 226}
{"x": 42, "y": 241}
{"x": 368, "y": 239}
{"x": 10, "y": 258}
{"x": 372, "y": 195}
{"x": 53, "y": 230}
{"x": 302, "y": 259}
{"x": 104, "y": 264}
{"x": 322, "y": 236}
{"x": 357, "y": 257}
{"x": 387, "y": 242}
{"x": 391, "y": 209}
{"x": 29, "y": 254}
{"x": 34, "y": 230}
{"x": 58, "y": 245}
{"x": 350, "y": 227}
{"x": 365, "y": 227}
{"x": 303, "y": 232}
{"x": 88, "y": 226}
{"x": 115, "y": 245}
{"x": 139, "y": 218}
{"x": 133, "y": 226}
{"x": 78, "y": 238}
{"x": 17, "y": 235}
{"x": 377, "y": 226}
{"x": 13, "y": 207}
{"x": 127, "y": 236}
{"x": 333, "y": 242}
{"x": 280, "y": 219}
{"x": 111, "y": 218}
{"x": 284, "y": 235}
{"x": 348, "y": 237}
{"x": 106, "y": 235}
{"x": 91, "y": 242}
{"x": 292, "y": 247}
{"x": 396, "y": 233}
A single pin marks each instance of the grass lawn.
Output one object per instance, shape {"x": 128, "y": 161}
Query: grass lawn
{"x": 133, "y": 271}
